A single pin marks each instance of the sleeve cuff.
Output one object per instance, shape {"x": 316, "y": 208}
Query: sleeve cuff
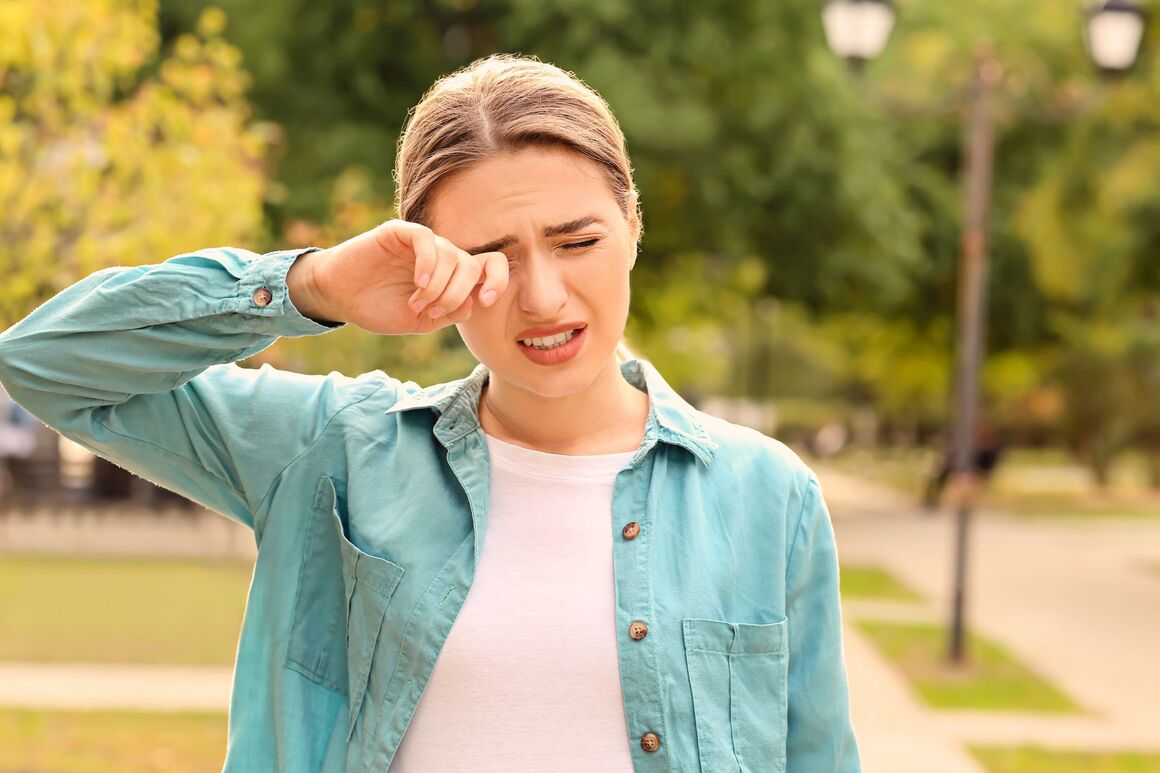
{"x": 263, "y": 293}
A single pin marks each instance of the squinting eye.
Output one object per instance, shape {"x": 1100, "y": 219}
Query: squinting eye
{"x": 579, "y": 245}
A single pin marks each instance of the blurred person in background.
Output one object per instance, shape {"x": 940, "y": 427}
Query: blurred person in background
{"x": 988, "y": 450}
{"x": 658, "y": 588}
{"x": 18, "y": 430}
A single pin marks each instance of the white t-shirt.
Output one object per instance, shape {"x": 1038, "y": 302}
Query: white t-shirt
{"x": 529, "y": 677}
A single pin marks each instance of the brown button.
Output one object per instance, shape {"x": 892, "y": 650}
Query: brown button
{"x": 638, "y": 630}
{"x": 650, "y": 742}
{"x": 630, "y": 530}
{"x": 263, "y": 296}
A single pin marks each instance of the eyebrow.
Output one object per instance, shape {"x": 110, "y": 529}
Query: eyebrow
{"x": 572, "y": 226}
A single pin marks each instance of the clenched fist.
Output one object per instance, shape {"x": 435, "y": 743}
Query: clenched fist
{"x": 398, "y": 278}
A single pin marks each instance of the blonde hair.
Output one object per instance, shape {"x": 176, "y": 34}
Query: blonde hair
{"x": 500, "y": 104}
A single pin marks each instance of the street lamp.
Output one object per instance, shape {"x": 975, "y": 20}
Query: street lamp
{"x": 857, "y": 30}
{"x": 1114, "y": 30}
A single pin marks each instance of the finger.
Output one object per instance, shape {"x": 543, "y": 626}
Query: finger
{"x": 459, "y": 286}
{"x": 418, "y": 239}
{"x": 461, "y": 314}
{"x": 445, "y": 265}
{"x": 494, "y": 277}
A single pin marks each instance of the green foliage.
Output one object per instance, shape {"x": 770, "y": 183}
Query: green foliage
{"x": 801, "y": 240}
{"x": 744, "y": 134}
{"x": 103, "y": 163}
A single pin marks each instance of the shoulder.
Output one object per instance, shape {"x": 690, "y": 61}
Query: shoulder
{"x": 763, "y": 465}
{"x": 374, "y": 391}
{"x": 745, "y": 448}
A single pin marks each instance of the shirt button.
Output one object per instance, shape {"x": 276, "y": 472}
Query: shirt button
{"x": 650, "y": 742}
{"x": 630, "y": 530}
{"x": 263, "y": 296}
{"x": 638, "y": 630}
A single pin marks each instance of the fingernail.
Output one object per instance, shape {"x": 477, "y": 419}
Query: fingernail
{"x": 488, "y": 297}
{"x": 423, "y": 280}
{"x": 436, "y": 311}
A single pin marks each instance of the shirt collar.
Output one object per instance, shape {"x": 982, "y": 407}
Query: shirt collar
{"x": 671, "y": 418}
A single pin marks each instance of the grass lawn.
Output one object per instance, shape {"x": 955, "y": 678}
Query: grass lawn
{"x": 111, "y": 742}
{"x": 1030, "y": 759}
{"x": 873, "y": 582}
{"x": 991, "y": 679}
{"x": 121, "y": 610}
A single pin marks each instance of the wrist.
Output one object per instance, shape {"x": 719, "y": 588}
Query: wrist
{"x": 302, "y": 286}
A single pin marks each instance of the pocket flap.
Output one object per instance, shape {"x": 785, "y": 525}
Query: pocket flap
{"x": 733, "y": 638}
{"x": 380, "y": 574}
{"x": 373, "y": 572}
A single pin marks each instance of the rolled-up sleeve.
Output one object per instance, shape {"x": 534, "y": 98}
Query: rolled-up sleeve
{"x": 821, "y": 732}
{"x": 137, "y": 365}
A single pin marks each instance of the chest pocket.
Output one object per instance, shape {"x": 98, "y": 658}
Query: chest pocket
{"x": 342, "y": 599}
{"x": 739, "y": 674}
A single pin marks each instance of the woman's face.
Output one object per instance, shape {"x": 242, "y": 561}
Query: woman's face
{"x": 511, "y": 203}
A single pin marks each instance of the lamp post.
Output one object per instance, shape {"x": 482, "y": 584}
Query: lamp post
{"x": 858, "y": 30}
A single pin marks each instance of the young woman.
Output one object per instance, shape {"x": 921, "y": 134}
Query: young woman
{"x": 553, "y": 563}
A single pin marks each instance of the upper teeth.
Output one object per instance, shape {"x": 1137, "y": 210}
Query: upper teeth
{"x": 550, "y": 341}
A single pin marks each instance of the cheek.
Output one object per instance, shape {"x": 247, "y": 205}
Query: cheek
{"x": 482, "y": 330}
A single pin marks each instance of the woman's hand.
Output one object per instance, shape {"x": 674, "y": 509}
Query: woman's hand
{"x": 388, "y": 280}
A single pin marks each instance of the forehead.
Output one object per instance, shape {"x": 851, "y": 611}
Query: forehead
{"x": 533, "y": 187}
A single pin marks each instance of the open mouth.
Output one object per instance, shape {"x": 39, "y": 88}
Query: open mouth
{"x": 550, "y": 342}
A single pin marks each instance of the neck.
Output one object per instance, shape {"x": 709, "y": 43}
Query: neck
{"x": 607, "y": 417}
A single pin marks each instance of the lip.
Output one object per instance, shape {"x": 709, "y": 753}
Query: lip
{"x": 559, "y": 355}
{"x": 544, "y": 332}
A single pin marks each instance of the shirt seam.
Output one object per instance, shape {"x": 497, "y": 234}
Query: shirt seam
{"x": 807, "y": 495}
{"x": 168, "y": 451}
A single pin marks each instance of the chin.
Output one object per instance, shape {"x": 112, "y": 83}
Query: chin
{"x": 544, "y": 381}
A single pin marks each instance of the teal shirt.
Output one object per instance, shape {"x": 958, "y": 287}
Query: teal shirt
{"x": 368, "y": 497}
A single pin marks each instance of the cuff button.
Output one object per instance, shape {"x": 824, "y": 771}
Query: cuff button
{"x": 263, "y": 296}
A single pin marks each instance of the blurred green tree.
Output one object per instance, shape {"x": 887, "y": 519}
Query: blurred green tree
{"x": 112, "y": 154}
{"x": 800, "y": 240}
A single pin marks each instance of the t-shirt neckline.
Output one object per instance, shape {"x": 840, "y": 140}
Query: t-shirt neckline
{"x": 559, "y": 466}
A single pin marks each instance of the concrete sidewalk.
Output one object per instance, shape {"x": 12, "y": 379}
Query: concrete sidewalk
{"x": 1076, "y": 600}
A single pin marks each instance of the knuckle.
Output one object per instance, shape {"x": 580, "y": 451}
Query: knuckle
{"x": 471, "y": 264}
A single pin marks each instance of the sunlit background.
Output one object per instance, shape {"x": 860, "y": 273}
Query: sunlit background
{"x": 905, "y": 238}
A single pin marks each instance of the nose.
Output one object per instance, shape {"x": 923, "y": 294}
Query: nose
{"x": 543, "y": 289}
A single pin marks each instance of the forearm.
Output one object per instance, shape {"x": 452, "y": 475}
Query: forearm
{"x": 145, "y": 329}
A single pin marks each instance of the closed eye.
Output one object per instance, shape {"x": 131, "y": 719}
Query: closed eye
{"x": 573, "y": 246}
{"x": 580, "y": 245}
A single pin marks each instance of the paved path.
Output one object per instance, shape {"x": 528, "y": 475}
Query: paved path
{"x": 105, "y": 686}
{"x": 1077, "y": 600}
{"x": 129, "y": 530}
